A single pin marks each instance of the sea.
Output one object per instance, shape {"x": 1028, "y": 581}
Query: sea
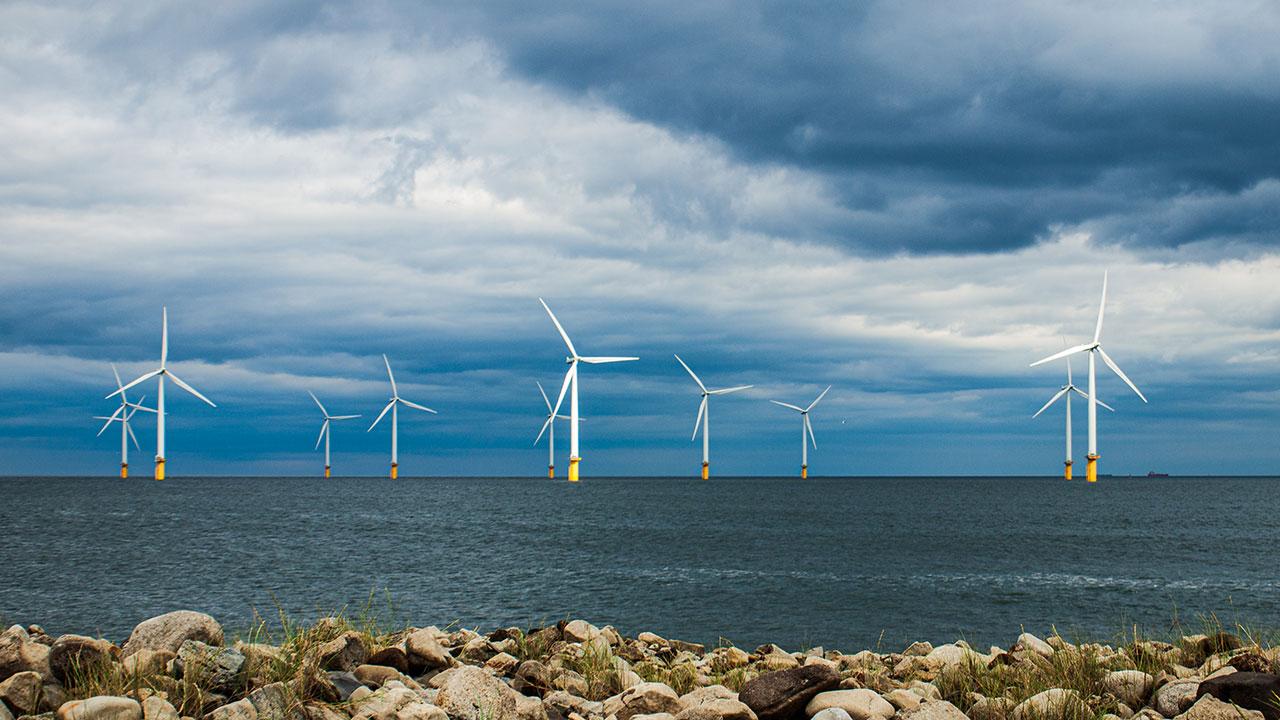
{"x": 842, "y": 563}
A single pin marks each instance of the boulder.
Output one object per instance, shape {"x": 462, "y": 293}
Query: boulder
{"x": 276, "y": 702}
{"x": 157, "y": 708}
{"x": 1052, "y": 703}
{"x": 345, "y": 652}
{"x": 147, "y": 662}
{"x": 393, "y": 656}
{"x": 52, "y": 695}
{"x": 579, "y": 631}
{"x": 861, "y": 704}
{"x": 19, "y": 653}
{"x": 702, "y": 695}
{"x": 783, "y": 694}
{"x": 171, "y": 630}
{"x": 21, "y": 691}
{"x": 903, "y": 699}
{"x": 101, "y": 707}
{"x": 926, "y": 690}
{"x": 645, "y": 698}
{"x": 502, "y": 664}
{"x": 952, "y": 655}
{"x": 1172, "y": 698}
{"x": 1031, "y": 643}
{"x": 217, "y": 667}
{"x": 1256, "y": 691}
{"x": 4, "y": 712}
{"x": 344, "y": 683}
{"x": 536, "y": 678}
{"x": 72, "y": 654}
{"x": 238, "y": 710}
{"x": 1209, "y": 707}
{"x": 726, "y": 659}
{"x": 1130, "y": 687}
{"x": 425, "y": 651}
{"x": 473, "y": 694}
{"x": 935, "y": 710}
{"x": 833, "y": 713}
{"x": 375, "y": 676}
{"x": 717, "y": 709}
{"x": 991, "y": 708}
{"x": 653, "y": 716}
{"x": 565, "y": 703}
{"x": 918, "y": 649}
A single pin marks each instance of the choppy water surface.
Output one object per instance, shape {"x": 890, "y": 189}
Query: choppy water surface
{"x": 845, "y": 563}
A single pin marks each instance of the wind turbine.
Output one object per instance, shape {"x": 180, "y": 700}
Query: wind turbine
{"x": 392, "y": 405}
{"x": 571, "y": 379}
{"x": 123, "y": 415}
{"x": 162, "y": 373}
{"x": 1094, "y": 348}
{"x": 1065, "y": 392}
{"x": 704, "y": 416}
{"x": 324, "y": 429}
{"x": 549, "y": 427}
{"x": 805, "y": 428}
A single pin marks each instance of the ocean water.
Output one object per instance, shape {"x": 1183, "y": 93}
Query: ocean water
{"x": 844, "y": 563}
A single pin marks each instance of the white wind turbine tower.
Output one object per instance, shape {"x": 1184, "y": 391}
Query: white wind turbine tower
{"x": 123, "y": 415}
{"x": 325, "y": 429}
{"x": 1065, "y": 392}
{"x": 549, "y": 427}
{"x": 704, "y": 416}
{"x": 1094, "y": 348}
{"x": 392, "y": 405}
{"x": 805, "y": 428}
{"x": 162, "y": 372}
{"x": 571, "y": 380}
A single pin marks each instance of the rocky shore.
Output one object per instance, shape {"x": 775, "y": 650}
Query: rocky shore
{"x": 181, "y": 665}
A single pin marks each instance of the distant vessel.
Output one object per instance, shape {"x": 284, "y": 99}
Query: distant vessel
{"x": 1154, "y": 474}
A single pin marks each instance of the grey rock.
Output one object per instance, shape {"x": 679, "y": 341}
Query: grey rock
{"x": 717, "y": 709}
{"x": 345, "y": 683}
{"x": 425, "y": 651}
{"x": 861, "y": 704}
{"x": 832, "y": 713}
{"x": 276, "y": 702}
{"x": 1209, "y": 707}
{"x": 217, "y": 667}
{"x": 1172, "y": 698}
{"x": 1256, "y": 691}
{"x": 702, "y": 695}
{"x": 238, "y": 710}
{"x": 157, "y": 708}
{"x": 19, "y": 653}
{"x": 933, "y": 710}
{"x": 1130, "y": 687}
{"x": 470, "y": 693}
{"x": 102, "y": 707}
{"x": 72, "y": 654}
{"x": 171, "y": 630}
{"x": 22, "y": 691}
{"x": 646, "y": 698}
{"x": 783, "y": 694}
{"x": 1052, "y": 703}
{"x": 345, "y": 652}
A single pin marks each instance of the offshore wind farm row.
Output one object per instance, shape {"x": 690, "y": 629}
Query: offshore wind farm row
{"x": 127, "y": 409}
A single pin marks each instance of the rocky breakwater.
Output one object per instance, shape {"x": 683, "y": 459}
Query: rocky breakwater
{"x": 181, "y": 666}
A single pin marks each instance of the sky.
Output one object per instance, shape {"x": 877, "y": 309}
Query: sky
{"x": 907, "y": 201}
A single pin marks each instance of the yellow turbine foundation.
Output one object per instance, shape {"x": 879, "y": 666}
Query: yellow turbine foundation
{"x": 395, "y": 471}
{"x": 551, "y": 472}
{"x": 1067, "y": 472}
{"x": 124, "y": 471}
{"x": 1091, "y": 469}
{"x": 804, "y": 472}
{"x": 706, "y": 470}
{"x": 573, "y": 469}
{"x": 326, "y": 471}
{"x": 159, "y": 468}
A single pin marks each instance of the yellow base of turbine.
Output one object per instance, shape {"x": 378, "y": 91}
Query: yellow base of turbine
{"x": 551, "y": 472}
{"x": 159, "y": 468}
{"x": 706, "y": 470}
{"x": 804, "y": 472}
{"x": 573, "y": 469}
{"x": 1066, "y": 474}
{"x": 1091, "y": 469}
{"x": 395, "y": 471}
{"x": 326, "y": 471}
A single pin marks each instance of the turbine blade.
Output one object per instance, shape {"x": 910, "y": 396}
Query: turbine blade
{"x": 563, "y": 334}
{"x": 322, "y": 410}
{"x": 1052, "y": 400}
{"x": 178, "y": 381}
{"x": 545, "y": 399}
{"x": 691, "y": 373}
{"x": 814, "y": 404}
{"x": 809, "y": 426}
{"x": 543, "y": 431}
{"x": 416, "y": 406}
{"x": 606, "y": 359}
{"x": 109, "y": 420}
{"x": 1069, "y": 382}
{"x": 147, "y": 376}
{"x": 384, "y": 412}
{"x": 1116, "y": 369}
{"x": 787, "y": 405}
{"x": 323, "y": 428}
{"x": 116, "y": 372}
{"x": 133, "y": 437}
{"x": 1059, "y": 355}
{"x": 726, "y": 391}
{"x": 1102, "y": 306}
{"x": 164, "y": 335}
{"x": 702, "y": 408}
{"x": 566, "y": 417}
{"x": 568, "y": 376}
{"x": 394, "y": 392}
{"x": 343, "y": 417}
